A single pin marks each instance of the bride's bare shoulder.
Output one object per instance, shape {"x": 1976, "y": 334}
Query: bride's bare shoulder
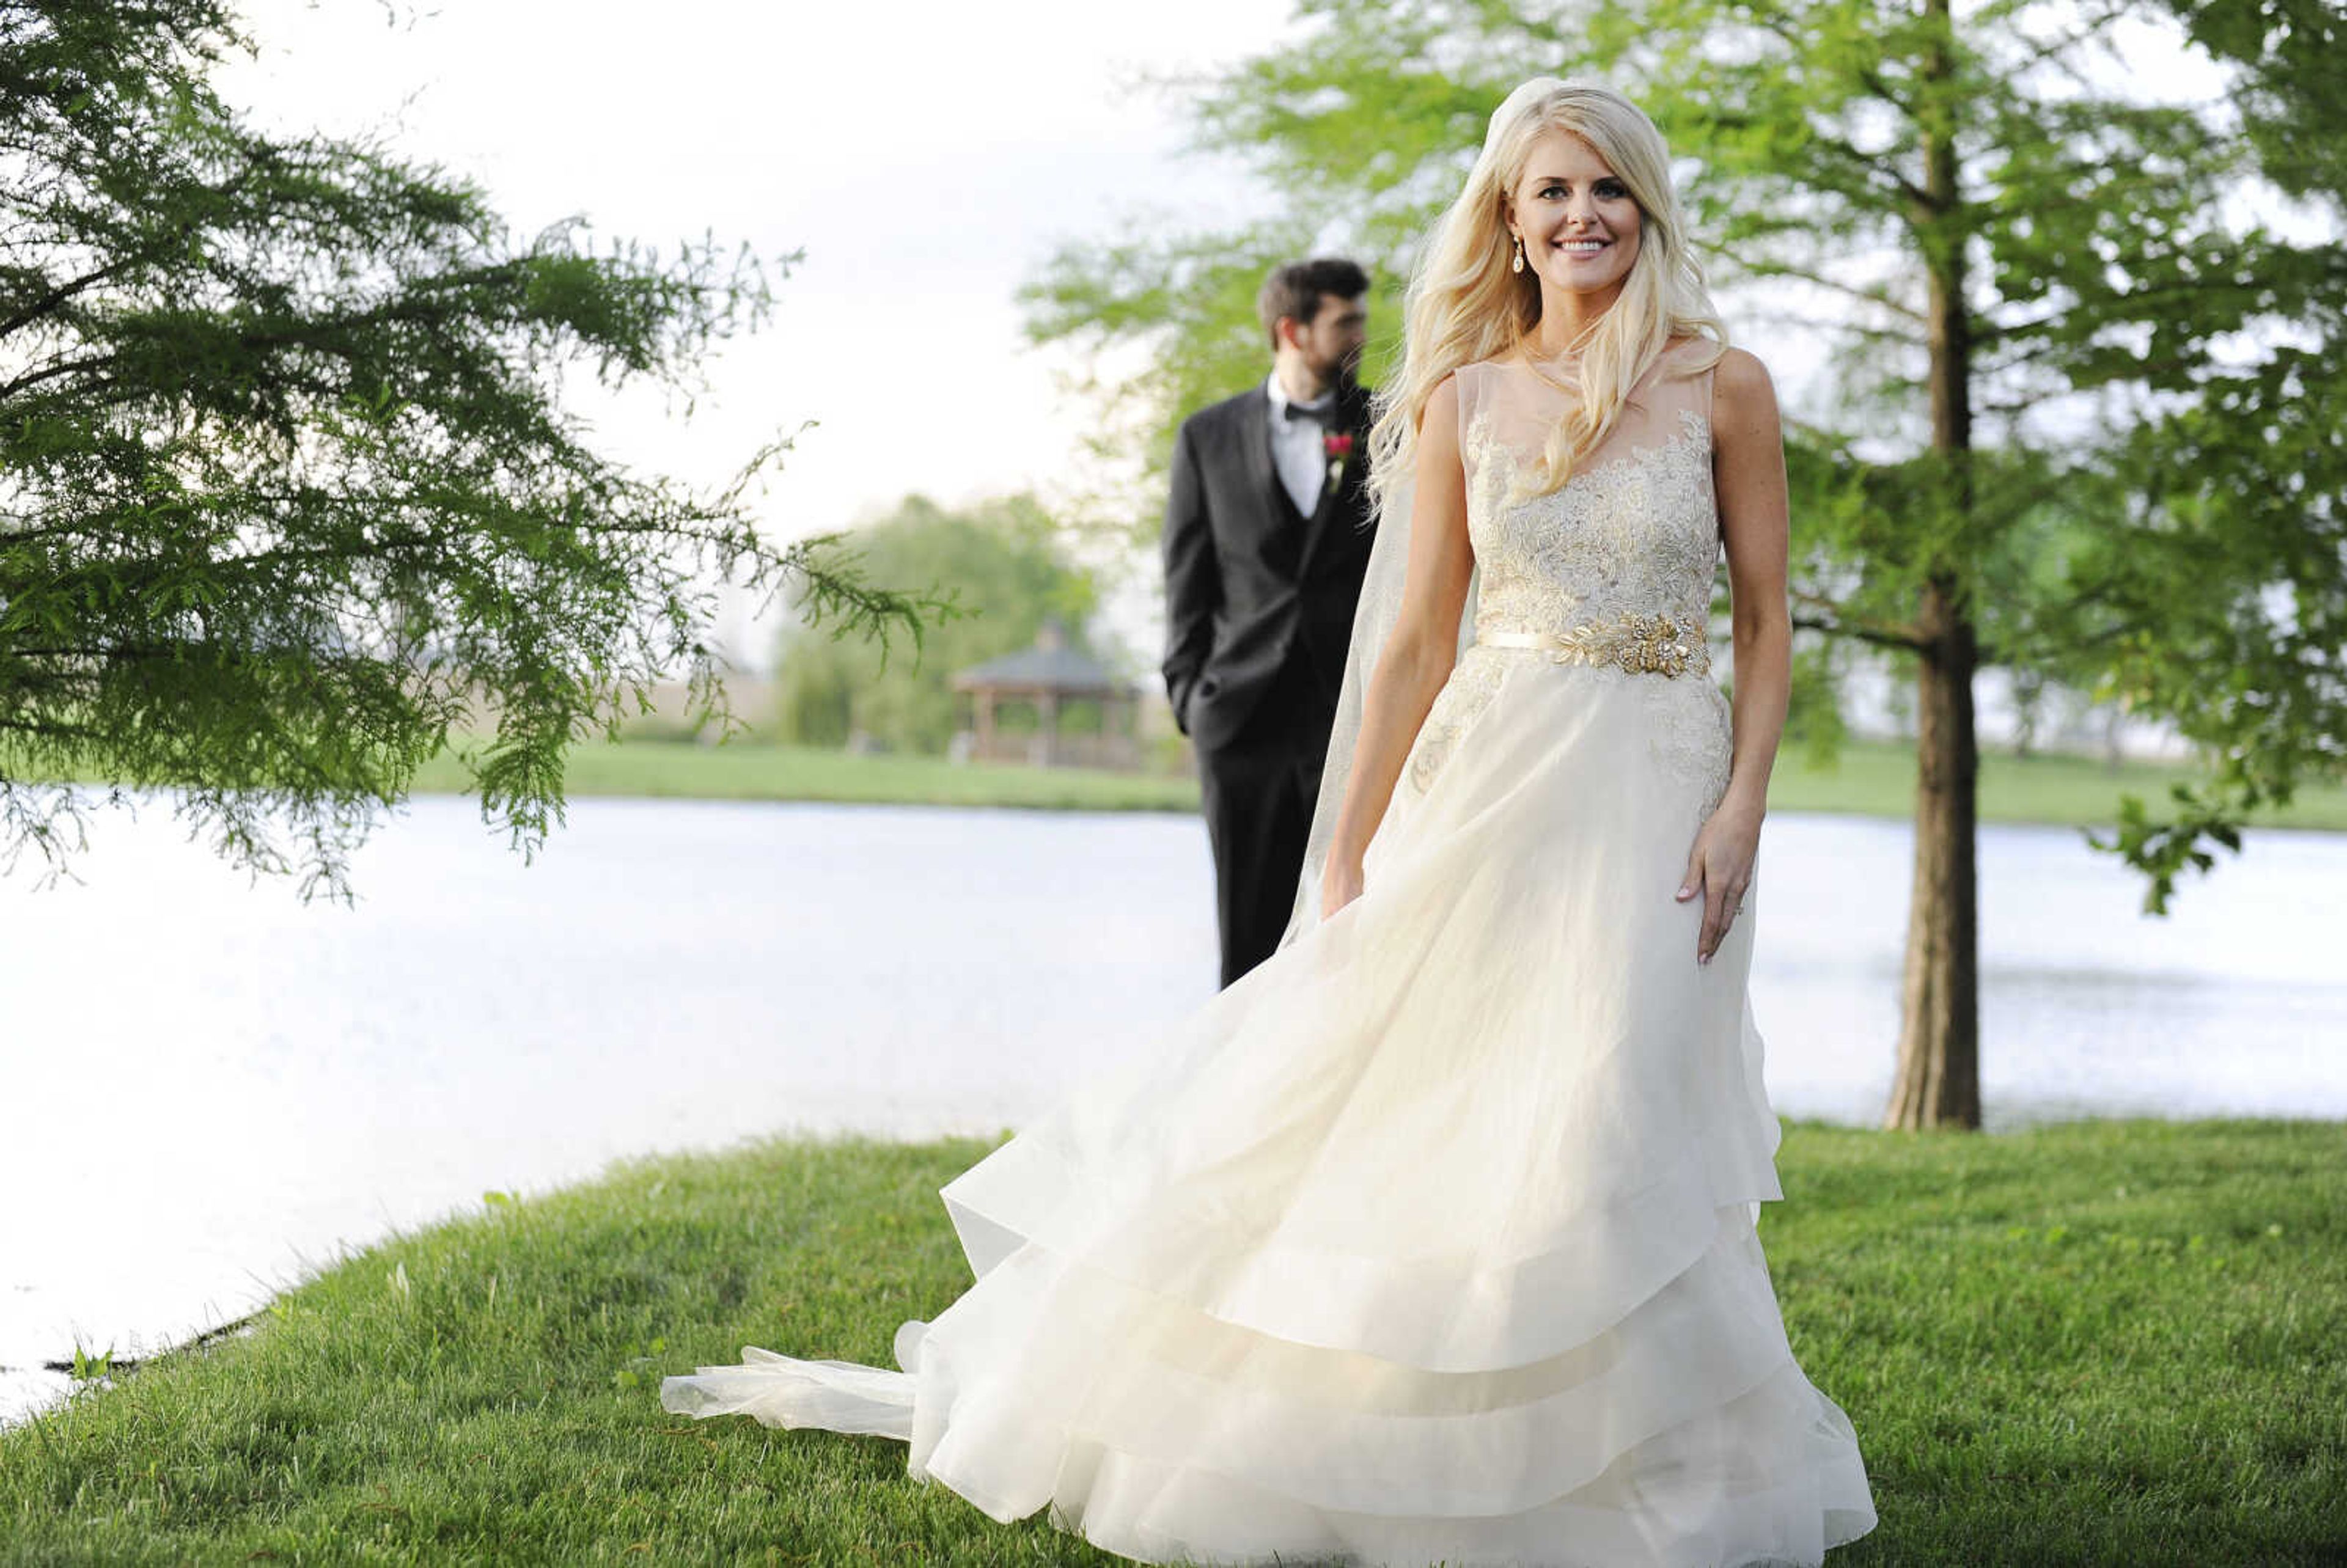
{"x": 1740, "y": 384}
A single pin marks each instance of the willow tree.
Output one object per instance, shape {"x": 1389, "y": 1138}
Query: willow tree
{"x": 290, "y": 499}
{"x": 2079, "y": 268}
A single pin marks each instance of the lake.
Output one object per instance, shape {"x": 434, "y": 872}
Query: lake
{"x": 212, "y": 1086}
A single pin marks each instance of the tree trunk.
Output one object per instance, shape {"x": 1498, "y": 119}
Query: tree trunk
{"x": 1938, "y": 1082}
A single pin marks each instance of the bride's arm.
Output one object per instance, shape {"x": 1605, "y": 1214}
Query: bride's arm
{"x": 1748, "y": 477}
{"x": 1420, "y": 650}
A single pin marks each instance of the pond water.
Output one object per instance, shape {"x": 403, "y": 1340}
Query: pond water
{"x": 211, "y": 1088}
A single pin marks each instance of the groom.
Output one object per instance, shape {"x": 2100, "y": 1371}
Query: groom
{"x": 1266, "y": 539}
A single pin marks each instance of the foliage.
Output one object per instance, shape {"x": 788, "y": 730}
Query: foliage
{"x": 2137, "y": 491}
{"x": 1009, "y": 573}
{"x": 2131, "y": 1324}
{"x": 289, "y": 495}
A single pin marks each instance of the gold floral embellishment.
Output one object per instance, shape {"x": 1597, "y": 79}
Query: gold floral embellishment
{"x": 1640, "y": 644}
{"x": 1637, "y": 645}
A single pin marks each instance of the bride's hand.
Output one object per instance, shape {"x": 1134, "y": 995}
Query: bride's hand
{"x": 1340, "y": 884}
{"x": 1719, "y": 868}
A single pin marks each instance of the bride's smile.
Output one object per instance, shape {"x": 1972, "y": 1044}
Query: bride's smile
{"x": 1574, "y": 216}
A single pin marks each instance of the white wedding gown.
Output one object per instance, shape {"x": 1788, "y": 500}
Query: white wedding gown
{"x": 1432, "y": 1239}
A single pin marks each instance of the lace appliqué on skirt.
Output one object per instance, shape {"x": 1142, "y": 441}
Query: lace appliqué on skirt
{"x": 1689, "y": 734}
{"x": 1462, "y": 700}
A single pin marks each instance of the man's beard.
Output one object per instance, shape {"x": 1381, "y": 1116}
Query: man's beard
{"x": 1342, "y": 374}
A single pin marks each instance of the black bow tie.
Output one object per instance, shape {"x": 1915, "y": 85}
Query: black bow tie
{"x": 1322, "y": 413}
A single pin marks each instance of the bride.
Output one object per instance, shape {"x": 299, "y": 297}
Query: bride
{"x": 1433, "y": 1238}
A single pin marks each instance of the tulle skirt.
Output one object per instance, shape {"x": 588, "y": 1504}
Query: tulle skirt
{"x": 1432, "y": 1239}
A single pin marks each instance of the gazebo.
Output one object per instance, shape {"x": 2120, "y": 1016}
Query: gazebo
{"x": 1055, "y": 681}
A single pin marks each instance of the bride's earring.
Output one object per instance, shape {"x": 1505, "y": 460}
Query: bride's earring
{"x": 1518, "y": 265}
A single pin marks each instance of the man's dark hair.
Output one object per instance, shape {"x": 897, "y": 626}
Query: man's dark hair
{"x": 1295, "y": 289}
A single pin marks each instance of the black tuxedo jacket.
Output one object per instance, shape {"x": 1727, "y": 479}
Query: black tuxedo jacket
{"x": 1254, "y": 590}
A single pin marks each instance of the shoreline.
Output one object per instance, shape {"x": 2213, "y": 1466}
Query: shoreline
{"x": 1776, "y": 808}
{"x": 1868, "y": 779}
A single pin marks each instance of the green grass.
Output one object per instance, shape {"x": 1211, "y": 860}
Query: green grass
{"x": 754, "y": 770}
{"x": 2092, "y": 1343}
{"x": 1870, "y": 779}
{"x": 1877, "y": 778}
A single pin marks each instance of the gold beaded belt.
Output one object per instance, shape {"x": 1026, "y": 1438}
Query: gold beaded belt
{"x": 1640, "y": 644}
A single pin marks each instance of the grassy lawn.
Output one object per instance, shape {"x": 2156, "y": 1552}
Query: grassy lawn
{"x": 1877, "y": 778}
{"x": 751, "y": 770}
{"x": 1870, "y": 779}
{"x": 2114, "y": 1342}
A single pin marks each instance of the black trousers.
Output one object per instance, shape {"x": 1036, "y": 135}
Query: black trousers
{"x": 1257, "y": 792}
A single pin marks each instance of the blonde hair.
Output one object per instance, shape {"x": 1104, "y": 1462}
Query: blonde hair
{"x": 1465, "y": 304}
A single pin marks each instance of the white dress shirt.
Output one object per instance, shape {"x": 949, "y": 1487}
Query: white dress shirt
{"x": 1299, "y": 448}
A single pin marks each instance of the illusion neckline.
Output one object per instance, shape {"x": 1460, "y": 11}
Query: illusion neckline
{"x": 1572, "y": 362}
{"x": 1568, "y": 361}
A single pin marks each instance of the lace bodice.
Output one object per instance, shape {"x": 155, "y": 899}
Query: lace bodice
{"x": 1633, "y": 534}
{"x": 1634, "y": 531}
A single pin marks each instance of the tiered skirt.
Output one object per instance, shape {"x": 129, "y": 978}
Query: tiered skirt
{"x": 1430, "y": 1240}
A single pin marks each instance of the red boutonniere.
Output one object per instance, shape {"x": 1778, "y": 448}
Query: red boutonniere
{"x": 1339, "y": 448}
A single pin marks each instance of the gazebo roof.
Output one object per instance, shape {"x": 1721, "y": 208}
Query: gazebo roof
{"x": 1043, "y": 667}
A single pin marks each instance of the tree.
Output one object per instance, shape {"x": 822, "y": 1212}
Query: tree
{"x": 289, "y": 498}
{"x": 2087, "y": 333}
{"x": 1010, "y": 575}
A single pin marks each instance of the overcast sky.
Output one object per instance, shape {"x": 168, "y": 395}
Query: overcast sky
{"x": 925, "y": 156}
